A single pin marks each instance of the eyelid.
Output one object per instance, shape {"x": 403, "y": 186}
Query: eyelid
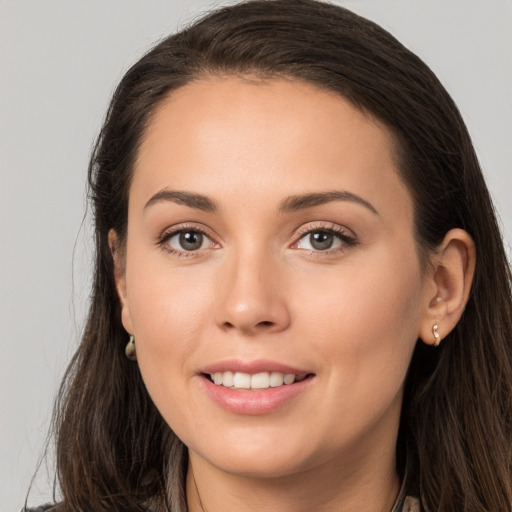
{"x": 171, "y": 231}
{"x": 347, "y": 236}
{"x": 323, "y": 226}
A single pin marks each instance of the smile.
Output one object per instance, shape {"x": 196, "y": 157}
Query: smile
{"x": 254, "y": 387}
{"x": 261, "y": 380}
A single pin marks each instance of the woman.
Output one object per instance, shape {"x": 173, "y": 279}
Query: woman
{"x": 301, "y": 297}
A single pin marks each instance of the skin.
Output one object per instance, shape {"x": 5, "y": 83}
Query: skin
{"x": 258, "y": 289}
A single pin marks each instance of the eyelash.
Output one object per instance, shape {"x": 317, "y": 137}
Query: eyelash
{"x": 167, "y": 235}
{"x": 347, "y": 240}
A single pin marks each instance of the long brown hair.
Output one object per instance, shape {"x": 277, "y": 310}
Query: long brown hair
{"x": 114, "y": 450}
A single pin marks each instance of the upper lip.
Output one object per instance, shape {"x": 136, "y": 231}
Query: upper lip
{"x": 252, "y": 367}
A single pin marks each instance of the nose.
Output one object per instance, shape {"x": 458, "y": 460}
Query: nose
{"x": 252, "y": 296}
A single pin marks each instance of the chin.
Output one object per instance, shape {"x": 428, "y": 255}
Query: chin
{"x": 266, "y": 467}
{"x": 252, "y": 459}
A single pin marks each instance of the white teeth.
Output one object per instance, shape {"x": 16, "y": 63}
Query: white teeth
{"x": 289, "y": 378}
{"x": 242, "y": 380}
{"x": 276, "y": 379}
{"x": 263, "y": 380}
{"x": 260, "y": 381}
{"x": 227, "y": 379}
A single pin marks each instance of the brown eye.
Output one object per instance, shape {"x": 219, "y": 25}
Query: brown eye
{"x": 319, "y": 241}
{"x": 188, "y": 240}
{"x": 191, "y": 240}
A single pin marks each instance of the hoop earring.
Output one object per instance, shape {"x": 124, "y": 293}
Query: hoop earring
{"x": 129, "y": 351}
{"x": 437, "y": 338}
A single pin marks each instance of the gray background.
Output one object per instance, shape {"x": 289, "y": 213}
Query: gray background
{"x": 59, "y": 62}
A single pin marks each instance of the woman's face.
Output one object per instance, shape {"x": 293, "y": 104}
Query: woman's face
{"x": 270, "y": 240}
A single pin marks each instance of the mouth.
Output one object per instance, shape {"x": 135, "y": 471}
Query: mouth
{"x": 255, "y": 381}
{"x": 254, "y": 387}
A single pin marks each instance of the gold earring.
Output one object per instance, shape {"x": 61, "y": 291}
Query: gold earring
{"x": 437, "y": 338}
{"x": 129, "y": 351}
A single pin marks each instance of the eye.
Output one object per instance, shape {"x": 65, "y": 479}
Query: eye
{"x": 320, "y": 237}
{"x": 319, "y": 241}
{"x": 188, "y": 240}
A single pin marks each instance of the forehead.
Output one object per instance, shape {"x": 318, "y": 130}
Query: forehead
{"x": 231, "y": 134}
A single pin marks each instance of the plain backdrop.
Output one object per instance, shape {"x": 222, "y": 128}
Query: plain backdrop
{"x": 59, "y": 63}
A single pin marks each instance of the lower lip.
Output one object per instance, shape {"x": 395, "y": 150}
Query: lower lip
{"x": 254, "y": 402}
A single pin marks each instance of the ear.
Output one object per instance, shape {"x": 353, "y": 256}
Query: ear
{"x": 120, "y": 279}
{"x": 449, "y": 284}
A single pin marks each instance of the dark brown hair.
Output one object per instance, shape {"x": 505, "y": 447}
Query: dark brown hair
{"x": 114, "y": 450}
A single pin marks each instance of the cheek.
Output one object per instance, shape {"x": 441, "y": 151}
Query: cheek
{"x": 374, "y": 292}
{"x": 164, "y": 299}
{"x": 366, "y": 323}
{"x": 169, "y": 310}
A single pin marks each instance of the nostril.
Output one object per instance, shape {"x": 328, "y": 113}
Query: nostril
{"x": 266, "y": 323}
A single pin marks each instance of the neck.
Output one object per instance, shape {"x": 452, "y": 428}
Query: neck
{"x": 351, "y": 483}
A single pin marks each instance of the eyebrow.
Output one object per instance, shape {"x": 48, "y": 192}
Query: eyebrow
{"x": 290, "y": 204}
{"x": 300, "y": 202}
{"x": 191, "y": 199}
